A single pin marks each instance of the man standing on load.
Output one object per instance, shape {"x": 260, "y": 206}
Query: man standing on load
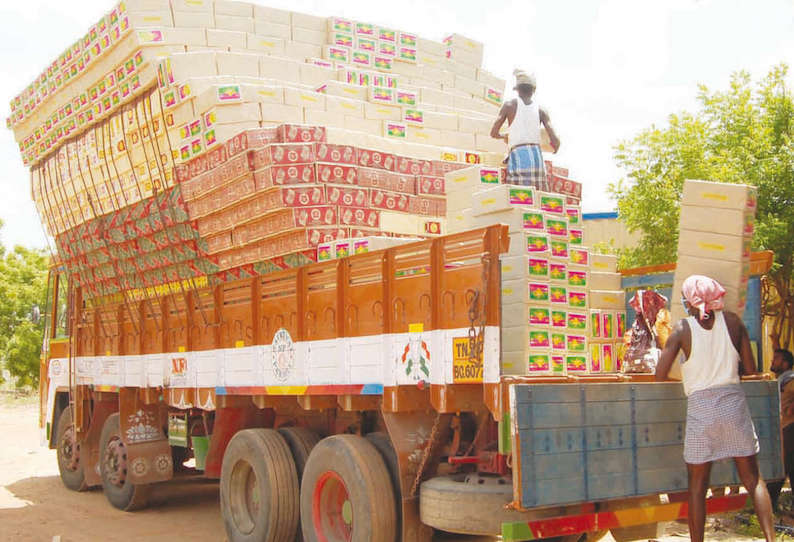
{"x": 525, "y": 164}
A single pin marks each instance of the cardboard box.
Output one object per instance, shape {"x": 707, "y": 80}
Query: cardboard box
{"x": 387, "y": 180}
{"x": 346, "y": 90}
{"x": 226, "y": 38}
{"x": 311, "y": 22}
{"x": 272, "y": 29}
{"x": 276, "y": 113}
{"x": 525, "y": 267}
{"x": 358, "y": 216}
{"x": 313, "y": 37}
{"x": 737, "y": 222}
{"x": 376, "y": 111}
{"x": 279, "y": 154}
{"x": 517, "y": 219}
{"x": 606, "y": 299}
{"x": 238, "y": 64}
{"x": 715, "y": 246}
{"x": 722, "y": 195}
{"x": 271, "y": 14}
{"x": 304, "y": 98}
{"x": 529, "y": 243}
{"x": 277, "y": 175}
{"x": 348, "y": 196}
{"x": 193, "y": 19}
{"x": 502, "y": 198}
{"x": 606, "y": 263}
{"x": 605, "y": 281}
{"x": 525, "y": 291}
{"x": 399, "y": 223}
{"x": 729, "y": 274}
{"x": 300, "y": 51}
{"x": 234, "y": 22}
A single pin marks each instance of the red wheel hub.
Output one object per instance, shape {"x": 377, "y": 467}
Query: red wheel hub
{"x": 332, "y": 510}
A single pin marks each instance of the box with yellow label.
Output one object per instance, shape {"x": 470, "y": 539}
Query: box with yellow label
{"x": 729, "y": 274}
{"x": 608, "y": 299}
{"x": 471, "y": 179}
{"x": 723, "y": 195}
{"x": 740, "y": 222}
{"x": 503, "y": 197}
{"x": 714, "y": 245}
{"x": 304, "y": 98}
{"x": 604, "y": 281}
{"x": 605, "y": 263}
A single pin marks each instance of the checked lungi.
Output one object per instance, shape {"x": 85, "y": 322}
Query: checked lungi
{"x": 525, "y": 167}
{"x": 718, "y": 425}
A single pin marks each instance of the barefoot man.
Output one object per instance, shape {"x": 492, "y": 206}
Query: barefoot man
{"x": 525, "y": 164}
{"x": 715, "y": 344}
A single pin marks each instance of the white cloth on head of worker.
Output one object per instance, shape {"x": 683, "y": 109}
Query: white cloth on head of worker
{"x": 524, "y": 78}
{"x": 713, "y": 359}
{"x": 525, "y": 128}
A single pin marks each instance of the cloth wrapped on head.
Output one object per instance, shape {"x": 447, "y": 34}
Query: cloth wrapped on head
{"x": 524, "y": 78}
{"x": 703, "y": 293}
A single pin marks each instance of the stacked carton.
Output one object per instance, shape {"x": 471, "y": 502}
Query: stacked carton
{"x": 562, "y": 307}
{"x": 715, "y": 236}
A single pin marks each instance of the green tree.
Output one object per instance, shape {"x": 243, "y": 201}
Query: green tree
{"x": 742, "y": 134}
{"x": 23, "y": 284}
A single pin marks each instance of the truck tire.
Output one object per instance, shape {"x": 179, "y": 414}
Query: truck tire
{"x": 346, "y": 494}
{"x": 383, "y": 444}
{"x": 451, "y": 504}
{"x": 119, "y": 491}
{"x": 259, "y": 488}
{"x": 301, "y": 441}
{"x": 68, "y": 451}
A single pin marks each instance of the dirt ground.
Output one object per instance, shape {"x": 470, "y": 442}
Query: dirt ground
{"x": 34, "y": 506}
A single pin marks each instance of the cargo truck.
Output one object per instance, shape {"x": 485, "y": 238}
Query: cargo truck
{"x": 419, "y": 430}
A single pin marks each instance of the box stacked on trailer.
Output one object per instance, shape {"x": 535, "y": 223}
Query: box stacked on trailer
{"x": 715, "y": 237}
{"x": 549, "y": 278}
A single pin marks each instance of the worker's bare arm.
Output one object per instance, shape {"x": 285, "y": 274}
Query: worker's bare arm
{"x": 500, "y": 120}
{"x": 553, "y": 138}
{"x": 671, "y": 349}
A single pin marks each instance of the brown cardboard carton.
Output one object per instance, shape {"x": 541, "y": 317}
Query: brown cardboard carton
{"x": 723, "y": 195}
{"x": 739, "y": 222}
{"x": 605, "y": 263}
{"x": 608, "y": 299}
{"x": 605, "y": 281}
{"x": 713, "y": 245}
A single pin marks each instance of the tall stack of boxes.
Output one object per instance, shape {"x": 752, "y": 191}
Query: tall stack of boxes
{"x": 715, "y": 237}
{"x": 549, "y": 297}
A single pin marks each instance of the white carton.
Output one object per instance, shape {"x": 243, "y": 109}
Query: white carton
{"x": 608, "y": 299}
{"x": 278, "y": 113}
{"x": 724, "y": 195}
{"x": 193, "y": 19}
{"x": 283, "y": 69}
{"x": 238, "y": 64}
{"x": 503, "y": 198}
{"x": 713, "y": 245}
{"x": 311, "y": 22}
{"x": 717, "y": 220}
{"x": 272, "y": 29}
{"x": 275, "y": 15}
{"x": 226, "y": 38}
{"x": 304, "y": 98}
{"x": 265, "y": 44}
{"x": 234, "y": 22}
{"x": 239, "y": 9}
{"x": 606, "y": 263}
{"x": 604, "y": 281}
{"x": 305, "y": 35}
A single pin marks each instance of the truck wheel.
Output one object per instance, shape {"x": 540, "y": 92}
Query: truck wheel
{"x": 301, "y": 441}
{"x": 121, "y": 493}
{"x": 68, "y": 449}
{"x": 383, "y": 444}
{"x": 346, "y": 494}
{"x": 259, "y": 488}
{"x": 467, "y": 504}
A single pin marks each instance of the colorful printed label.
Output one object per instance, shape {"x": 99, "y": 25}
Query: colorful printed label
{"x": 559, "y": 249}
{"x": 361, "y": 58}
{"x": 538, "y": 291}
{"x": 414, "y": 115}
{"x": 575, "y": 237}
{"x": 557, "y": 227}
{"x": 539, "y": 316}
{"x": 558, "y": 364}
{"x": 576, "y": 364}
{"x": 342, "y": 25}
{"x": 573, "y": 215}
{"x": 228, "y": 93}
{"x": 539, "y": 362}
{"x": 387, "y": 49}
{"x": 577, "y": 321}
{"x": 579, "y": 256}
{"x": 558, "y": 341}
{"x": 386, "y": 34}
{"x": 493, "y": 95}
{"x": 552, "y": 204}
{"x": 406, "y": 98}
{"x": 595, "y": 324}
{"x": 559, "y": 319}
{"x": 538, "y": 268}
{"x": 577, "y": 300}
{"x": 383, "y": 95}
{"x": 557, "y": 271}
{"x": 210, "y": 118}
{"x": 209, "y": 138}
{"x": 408, "y": 54}
{"x": 342, "y": 250}
{"x": 394, "y": 129}
{"x": 608, "y": 358}
{"x": 382, "y": 63}
{"x": 521, "y": 196}
{"x": 558, "y": 294}
{"x": 338, "y": 54}
{"x": 532, "y": 221}
{"x": 577, "y": 278}
{"x": 365, "y": 29}
{"x": 539, "y": 338}
{"x": 620, "y": 324}
{"x": 576, "y": 343}
{"x": 408, "y": 40}
{"x": 343, "y": 40}
{"x": 537, "y": 243}
{"x": 366, "y": 44}
{"x": 608, "y": 325}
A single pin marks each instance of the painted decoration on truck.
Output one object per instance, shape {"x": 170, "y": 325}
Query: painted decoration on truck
{"x": 283, "y": 355}
{"x": 415, "y": 359}
{"x": 141, "y": 427}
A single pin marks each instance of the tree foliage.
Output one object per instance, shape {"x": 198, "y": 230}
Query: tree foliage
{"x": 742, "y": 134}
{"x": 23, "y": 284}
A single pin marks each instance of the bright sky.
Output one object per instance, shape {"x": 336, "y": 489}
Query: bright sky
{"x": 605, "y": 69}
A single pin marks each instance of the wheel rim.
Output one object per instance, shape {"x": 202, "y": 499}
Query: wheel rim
{"x": 244, "y": 497}
{"x": 115, "y": 462}
{"x": 69, "y": 450}
{"x": 332, "y": 509}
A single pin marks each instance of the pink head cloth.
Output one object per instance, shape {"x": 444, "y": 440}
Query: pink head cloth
{"x": 703, "y": 293}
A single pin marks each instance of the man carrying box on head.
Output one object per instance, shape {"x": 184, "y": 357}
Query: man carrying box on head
{"x": 782, "y": 365}
{"x": 716, "y": 345}
{"x": 525, "y": 164}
